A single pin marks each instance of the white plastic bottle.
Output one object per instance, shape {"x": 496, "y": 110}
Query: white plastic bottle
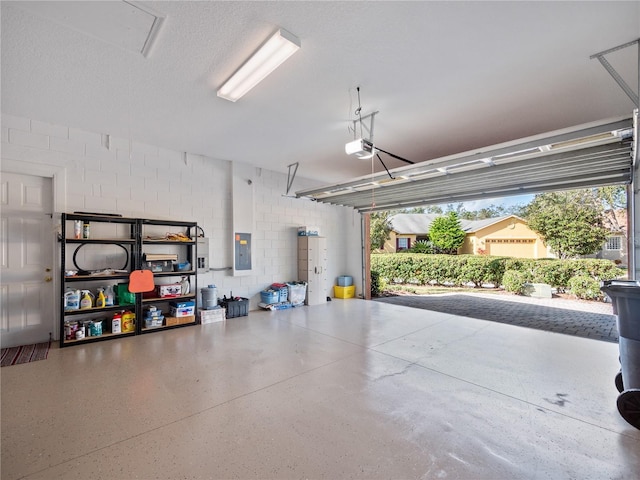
{"x": 109, "y": 296}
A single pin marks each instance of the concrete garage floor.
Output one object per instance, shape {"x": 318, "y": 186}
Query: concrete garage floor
{"x": 351, "y": 389}
{"x": 571, "y": 317}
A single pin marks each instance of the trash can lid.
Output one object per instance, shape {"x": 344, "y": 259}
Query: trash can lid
{"x": 622, "y": 288}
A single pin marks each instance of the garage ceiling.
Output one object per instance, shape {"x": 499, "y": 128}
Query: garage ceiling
{"x": 446, "y": 77}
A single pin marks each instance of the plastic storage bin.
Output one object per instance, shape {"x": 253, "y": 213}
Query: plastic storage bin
{"x": 345, "y": 281}
{"x": 282, "y": 289}
{"x": 270, "y": 296}
{"x": 625, "y": 297}
{"x": 297, "y": 293}
{"x": 236, "y": 308}
{"x": 344, "y": 292}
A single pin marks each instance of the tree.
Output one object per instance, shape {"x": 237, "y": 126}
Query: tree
{"x": 437, "y": 209}
{"x": 613, "y": 199}
{"x": 571, "y": 223}
{"x": 379, "y": 229}
{"x": 446, "y": 234}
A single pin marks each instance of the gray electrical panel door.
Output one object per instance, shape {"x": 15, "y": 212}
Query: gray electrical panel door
{"x": 242, "y": 247}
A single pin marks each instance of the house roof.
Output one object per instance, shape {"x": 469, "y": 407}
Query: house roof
{"x": 420, "y": 223}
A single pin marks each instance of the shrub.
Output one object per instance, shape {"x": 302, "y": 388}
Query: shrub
{"x": 422, "y": 269}
{"x": 514, "y": 281}
{"x": 480, "y": 270}
{"x": 422, "y": 246}
{"x": 585, "y": 287}
{"x": 376, "y": 288}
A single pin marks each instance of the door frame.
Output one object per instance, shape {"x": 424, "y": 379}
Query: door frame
{"x": 58, "y": 177}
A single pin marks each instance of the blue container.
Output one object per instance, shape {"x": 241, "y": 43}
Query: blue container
{"x": 270, "y": 296}
{"x": 345, "y": 281}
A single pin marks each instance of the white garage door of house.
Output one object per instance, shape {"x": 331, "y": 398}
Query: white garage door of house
{"x": 510, "y": 247}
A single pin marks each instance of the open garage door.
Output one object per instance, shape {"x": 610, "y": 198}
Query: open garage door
{"x": 584, "y": 156}
{"x": 590, "y": 155}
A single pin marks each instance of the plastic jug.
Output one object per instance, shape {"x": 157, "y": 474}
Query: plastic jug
{"x": 209, "y": 297}
{"x": 71, "y": 299}
{"x": 185, "y": 286}
{"x": 110, "y": 296}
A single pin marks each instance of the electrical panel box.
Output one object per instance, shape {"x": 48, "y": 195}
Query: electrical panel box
{"x": 242, "y": 248}
{"x": 202, "y": 257}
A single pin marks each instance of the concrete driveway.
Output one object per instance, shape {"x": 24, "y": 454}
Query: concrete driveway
{"x": 570, "y": 317}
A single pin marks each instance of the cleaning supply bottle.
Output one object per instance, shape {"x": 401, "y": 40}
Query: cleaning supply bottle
{"x": 101, "y": 300}
{"x": 71, "y": 299}
{"x": 110, "y": 297}
{"x": 184, "y": 285}
{"x": 128, "y": 321}
{"x": 86, "y": 300}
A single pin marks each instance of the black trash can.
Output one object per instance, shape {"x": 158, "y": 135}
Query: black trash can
{"x": 625, "y": 297}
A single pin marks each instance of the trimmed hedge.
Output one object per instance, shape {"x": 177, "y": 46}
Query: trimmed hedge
{"x": 585, "y": 287}
{"x": 423, "y": 269}
{"x": 514, "y": 281}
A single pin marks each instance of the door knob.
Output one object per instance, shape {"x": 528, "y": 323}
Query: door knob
{"x": 47, "y": 279}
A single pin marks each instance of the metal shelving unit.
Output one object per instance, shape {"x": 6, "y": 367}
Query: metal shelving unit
{"x": 129, "y": 235}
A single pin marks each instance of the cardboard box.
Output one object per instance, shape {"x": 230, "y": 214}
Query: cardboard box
{"x": 212, "y": 316}
{"x": 172, "y": 290}
{"x": 182, "y": 309}
{"x": 168, "y": 321}
{"x": 182, "y": 312}
{"x": 344, "y": 292}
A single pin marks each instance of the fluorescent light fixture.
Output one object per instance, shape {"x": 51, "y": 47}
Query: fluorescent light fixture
{"x": 361, "y": 148}
{"x": 265, "y": 60}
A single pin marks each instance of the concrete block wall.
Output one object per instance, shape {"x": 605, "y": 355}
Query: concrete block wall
{"x": 96, "y": 172}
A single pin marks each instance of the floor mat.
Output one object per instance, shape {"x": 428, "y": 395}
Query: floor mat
{"x": 24, "y": 354}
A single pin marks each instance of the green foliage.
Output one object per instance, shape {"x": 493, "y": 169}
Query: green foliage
{"x": 422, "y": 269}
{"x": 571, "y": 223}
{"x": 421, "y": 246}
{"x": 378, "y": 285}
{"x": 492, "y": 211}
{"x": 379, "y": 229}
{"x": 481, "y": 270}
{"x": 585, "y": 287}
{"x": 446, "y": 234}
{"x": 513, "y": 281}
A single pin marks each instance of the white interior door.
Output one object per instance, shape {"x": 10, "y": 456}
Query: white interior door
{"x": 27, "y": 313}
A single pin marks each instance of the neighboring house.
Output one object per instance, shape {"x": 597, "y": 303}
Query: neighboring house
{"x": 615, "y": 248}
{"x": 508, "y": 236}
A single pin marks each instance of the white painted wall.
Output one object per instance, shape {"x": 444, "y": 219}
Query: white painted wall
{"x": 139, "y": 180}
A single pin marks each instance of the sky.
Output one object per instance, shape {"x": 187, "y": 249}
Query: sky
{"x": 504, "y": 201}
